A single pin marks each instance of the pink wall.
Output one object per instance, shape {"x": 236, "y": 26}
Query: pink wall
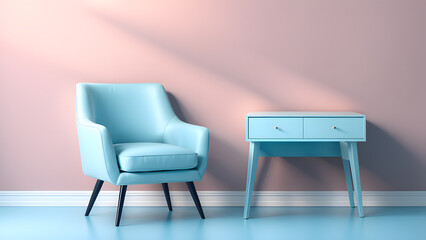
{"x": 219, "y": 60}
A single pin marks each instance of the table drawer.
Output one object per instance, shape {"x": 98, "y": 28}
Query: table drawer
{"x": 275, "y": 128}
{"x": 334, "y": 128}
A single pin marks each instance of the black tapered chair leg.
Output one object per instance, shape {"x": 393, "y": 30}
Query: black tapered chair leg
{"x": 95, "y": 193}
{"x": 167, "y": 194}
{"x": 194, "y": 195}
{"x": 121, "y": 197}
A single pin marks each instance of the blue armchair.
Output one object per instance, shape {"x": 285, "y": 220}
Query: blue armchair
{"x": 129, "y": 134}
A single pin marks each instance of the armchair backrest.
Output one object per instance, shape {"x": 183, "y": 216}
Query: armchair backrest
{"x": 131, "y": 112}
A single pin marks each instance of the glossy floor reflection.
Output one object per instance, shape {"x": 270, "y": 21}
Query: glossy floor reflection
{"x": 220, "y": 223}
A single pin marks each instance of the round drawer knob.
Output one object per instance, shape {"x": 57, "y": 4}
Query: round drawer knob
{"x": 276, "y": 127}
{"x": 334, "y": 127}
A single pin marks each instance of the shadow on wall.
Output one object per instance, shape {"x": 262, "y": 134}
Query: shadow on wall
{"x": 176, "y": 106}
{"x": 388, "y": 159}
{"x": 227, "y": 166}
{"x": 303, "y": 174}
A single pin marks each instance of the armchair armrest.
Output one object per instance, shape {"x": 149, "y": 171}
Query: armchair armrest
{"x": 189, "y": 136}
{"x": 97, "y": 152}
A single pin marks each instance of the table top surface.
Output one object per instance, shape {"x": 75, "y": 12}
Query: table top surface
{"x": 304, "y": 114}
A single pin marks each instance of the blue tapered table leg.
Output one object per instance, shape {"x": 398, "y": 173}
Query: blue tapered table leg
{"x": 353, "y": 159}
{"x": 346, "y": 168}
{"x": 251, "y": 175}
{"x": 348, "y": 177}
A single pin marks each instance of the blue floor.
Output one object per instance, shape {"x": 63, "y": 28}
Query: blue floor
{"x": 220, "y": 223}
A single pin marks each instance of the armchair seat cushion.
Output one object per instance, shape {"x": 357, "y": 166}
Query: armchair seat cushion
{"x": 149, "y": 156}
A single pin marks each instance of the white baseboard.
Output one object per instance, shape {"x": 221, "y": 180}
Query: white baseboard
{"x": 212, "y": 198}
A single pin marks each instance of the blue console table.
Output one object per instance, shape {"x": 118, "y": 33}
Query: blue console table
{"x": 306, "y": 134}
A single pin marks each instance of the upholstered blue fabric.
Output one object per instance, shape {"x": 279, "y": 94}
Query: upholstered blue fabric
{"x": 109, "y": 114}
{"x": 149, "y": 157}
